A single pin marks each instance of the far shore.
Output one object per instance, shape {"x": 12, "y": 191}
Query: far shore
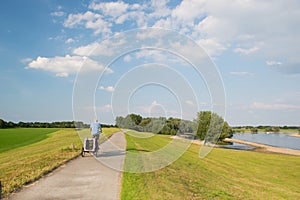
{"x": 266, "y": 148}
{"x": 294, "y": 135}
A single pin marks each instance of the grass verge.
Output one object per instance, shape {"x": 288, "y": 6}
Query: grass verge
{"x": 223, "y": 174}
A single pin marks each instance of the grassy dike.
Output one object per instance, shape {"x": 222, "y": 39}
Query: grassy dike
{"x": 28, "y": 163}
{"x": 223, "y": 174}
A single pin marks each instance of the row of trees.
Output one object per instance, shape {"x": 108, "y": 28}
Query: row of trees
{"x": 206, "y": 125}
{"x": 273, "y": 129}
{"x": 63, "y": 124}
{"x": 161, "y": 125}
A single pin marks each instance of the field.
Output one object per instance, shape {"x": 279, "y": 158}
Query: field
{"x": 41, "y": 151}
{"x": 223, "y": 174}
{"x": 11, "y": 138}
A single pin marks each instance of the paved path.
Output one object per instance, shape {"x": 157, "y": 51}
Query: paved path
{"x": 83, "y": 178}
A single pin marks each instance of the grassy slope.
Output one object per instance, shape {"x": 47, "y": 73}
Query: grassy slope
{"x": 223, "y": 174}
{"x": 27, "y": 163}
{"x": 11, "y": 139}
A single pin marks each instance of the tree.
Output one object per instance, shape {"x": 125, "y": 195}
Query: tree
{"x": 212, "y": 127}
{"x": 254, "y": 130}
{"x": 2, "y": 123}
{"x": 136, "y": 118}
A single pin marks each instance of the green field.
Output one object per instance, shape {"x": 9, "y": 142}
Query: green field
{"x": 223, "y": 174}
{"x": 42, "y": 151}
{"x": 11, "y": 138}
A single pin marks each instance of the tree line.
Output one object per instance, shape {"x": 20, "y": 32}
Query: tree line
{"x": 207, "y": 125}
{"x": 62, "y": 124}
{"x": 273, "y": 129}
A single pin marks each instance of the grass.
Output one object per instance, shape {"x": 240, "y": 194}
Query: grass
{"x": 107, "y": 133}
{"x": 26, "y": 164}
{"x": 223, "y": 174}
{"x": 11, "y": 139}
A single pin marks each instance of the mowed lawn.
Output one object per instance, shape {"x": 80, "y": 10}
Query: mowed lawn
{"x": 41, "y": 151}
{"x": 18, "y": 137}
{"x": 223, "y": 174}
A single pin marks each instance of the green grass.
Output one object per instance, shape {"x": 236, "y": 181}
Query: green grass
{"x": 18, "y": 137}
{"x": 25, "y": 164}
{"x": 223, "y": 174}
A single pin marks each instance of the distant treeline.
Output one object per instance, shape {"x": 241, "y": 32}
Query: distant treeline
{"x": 207, "y": 125}
{"x": 161, "y": 125}
{"x": 63, "y": 124}
{"x": 255, "y": 129}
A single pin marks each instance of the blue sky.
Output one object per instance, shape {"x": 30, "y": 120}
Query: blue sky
{"x": 254, "y": 45}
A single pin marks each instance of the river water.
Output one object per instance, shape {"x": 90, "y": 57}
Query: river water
{"x": 272, "y": 139}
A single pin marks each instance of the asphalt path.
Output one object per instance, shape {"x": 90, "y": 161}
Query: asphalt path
{"x": 86, "y": 177}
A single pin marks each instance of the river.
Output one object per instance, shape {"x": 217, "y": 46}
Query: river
{"x": 282, "y": 140}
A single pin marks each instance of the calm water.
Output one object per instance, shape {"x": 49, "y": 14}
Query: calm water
{"x": 272, "y": 139}
{"x": 238, "y": 146}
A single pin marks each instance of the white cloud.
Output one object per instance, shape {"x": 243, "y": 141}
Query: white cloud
{"x": 212, "y": 46}
{"x": 69, "y": 40}
{"x": 105, "y": 48}
{"x": 246, "y": 51}
{"x": 273, "y": 63}
{"x": 189, "y": 102}
{"x": 86, "y": 50}
{"x": 113, "y": 9}
{"x": 64, "y": 66}
{"x": 57, "y": 14}
{"x": 160, "y": 8}
{"x": 264, "y": 106}
{"x": 25, "y": 60}
{"x": 108, "y": 88}
{"x": 241, "y": 73}
{"x": 90, "y": 20}
{"x": 188, "y": 11}
{"x": 147, "y": 109}
{"x": 105, "y": 108}
{"x": 218, "y": 27}
{"x": 127, "y": 58}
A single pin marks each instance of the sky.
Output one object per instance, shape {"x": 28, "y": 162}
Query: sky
{"x": 74, "y": 60}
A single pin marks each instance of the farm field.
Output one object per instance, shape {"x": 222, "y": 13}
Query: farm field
{"x": 223, "y": 174}
{"x": 43, "y": 151}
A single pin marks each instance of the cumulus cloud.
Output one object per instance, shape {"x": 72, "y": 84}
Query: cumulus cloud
{"x": 113, "y": 9}
{"x": 105, "y": 48}
{"x": 246, "y": 51}
{"x": 57, "y": 14}
{"x": 108, "y": 88}
{"x": 69, "y": 40}
{"x": 189, "y": 102}
{"x": 273, "y": 63}
{"x": 64, "y": 66}
{"x": 25, "y": 60}
{"x": 127, "y": 58}
{"x": 216, "y": 26}
{"x": 90, "y": 20}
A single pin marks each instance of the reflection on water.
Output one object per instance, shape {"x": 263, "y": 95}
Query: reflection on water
{"x": 238, "y": 146}
{"x": 272, "y": 139}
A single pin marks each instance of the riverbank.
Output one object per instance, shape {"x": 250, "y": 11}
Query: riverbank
{"x": 266, "y": 148}
{"x": 294, "y": 135}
